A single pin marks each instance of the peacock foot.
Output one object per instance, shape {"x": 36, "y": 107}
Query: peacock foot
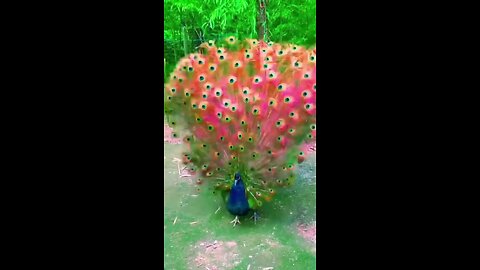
{"x": 255, "y": 217}
{"x": 235, "y": 221}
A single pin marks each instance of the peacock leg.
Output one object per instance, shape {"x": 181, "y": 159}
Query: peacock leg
{"x": 255, "y": 217}
{"x": 235, "y": 221}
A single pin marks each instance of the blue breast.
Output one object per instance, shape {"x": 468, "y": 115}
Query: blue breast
{"x": 237, "y": 203}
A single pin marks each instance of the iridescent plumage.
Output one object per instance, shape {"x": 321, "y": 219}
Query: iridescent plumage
{"x": 246, "y": 107}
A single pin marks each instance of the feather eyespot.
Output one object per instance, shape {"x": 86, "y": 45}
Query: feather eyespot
{"x": 306, "y": 94}
{"x": 210, "y": 128}
{"x": 313, "y": 126}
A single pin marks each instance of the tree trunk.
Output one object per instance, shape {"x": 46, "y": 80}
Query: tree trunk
{"x": 184, "y": 36}
{"x": 262, "y": 20}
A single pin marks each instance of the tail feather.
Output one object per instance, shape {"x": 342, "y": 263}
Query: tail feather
{"x": 248, "y": 106}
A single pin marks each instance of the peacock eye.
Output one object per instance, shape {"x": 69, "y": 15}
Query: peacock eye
{"x": 231, "y": 39}
{"x": 246, "y": 99}
{"x": 201, "y": 78}
{"x": 306, "y": 76}
{"x": 226, "y": 104}
{"x": 245, "y": 92}
{"x": 313, "y": 127}
{"x": 280, "y": 52}
{"x": 190, "y": 69}
{"x": 305, "y": 93}
{"x": 219, "y": 51}
{"x": 250, "y": 139}
{"x": 187, "y": 94}
{"x": 204, "y": 95}
{"x": 218, "y": 93}
{"x": 234, "y": 109}
{"x": 204, "y": 106}
{"x": 237, "y": 64}
{"x": 295, "y": 48}
{"x": 312, "y": 58}
{"x": 212, "y": 68}
{"x": 222, "y": 57}
{"x": 199, "y": 119}
{"x": 287, "y": 99}
{"x": 292, "y": 114}
{"x": 204, "y": 145}
{"x": 194, "y": 106}
{"x": 243, "y": 123}
{"x": 219, "y": 115}
{"x": 174, "y": 90}
{"x": 210, "y": 127}
{"x": 265, "y": 66}
{"x": 232, "y": 80}
{"x": 200, "y": 62}
{"x": 248, "y": 56}
{"x": 301, "y": 154}
{"x": 208, "y": 86}
{"x": 222, "y": 138}
{"x": 308, "y": 106}
{"x": 280, "y": 87}
{"x": 169, "y": 98}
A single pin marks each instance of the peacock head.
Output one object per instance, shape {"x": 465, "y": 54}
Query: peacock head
{"x": 238, "y": 179}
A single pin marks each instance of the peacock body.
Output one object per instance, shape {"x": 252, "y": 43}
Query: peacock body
{"x": 246, "y": 111}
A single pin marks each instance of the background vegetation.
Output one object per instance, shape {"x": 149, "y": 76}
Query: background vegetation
{"x": 188, "y": 23}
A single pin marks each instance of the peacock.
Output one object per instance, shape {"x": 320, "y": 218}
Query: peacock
{"x": 245, "y": 109}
